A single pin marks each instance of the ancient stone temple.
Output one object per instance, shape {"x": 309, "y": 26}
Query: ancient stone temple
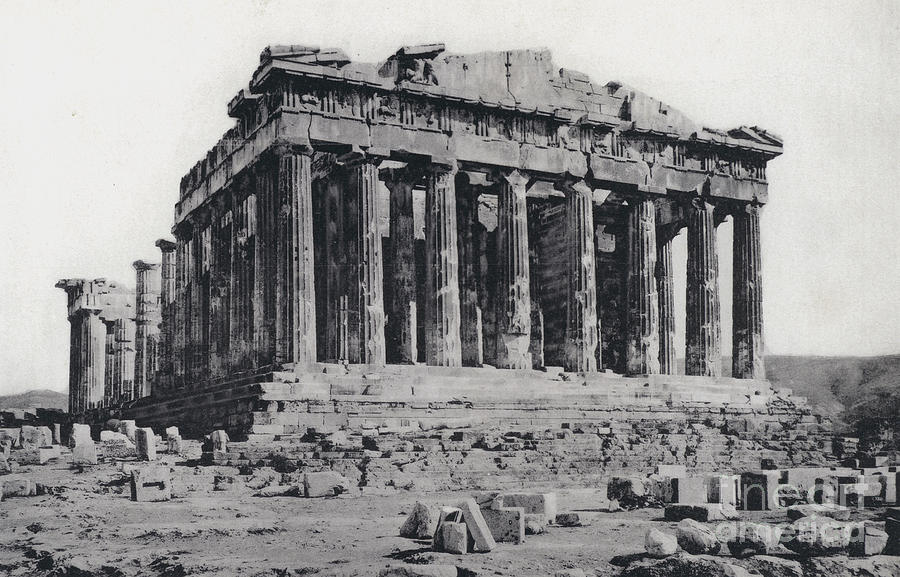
{"x": 370, "y": 241}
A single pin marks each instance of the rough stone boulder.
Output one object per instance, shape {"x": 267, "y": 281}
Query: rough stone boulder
{"x": 630, "y": 492}
{"x": 696, "y": 538}
{"x": 830, "y": 510}
{"x": 815, "y": 536}
{"x": 753, "y": 539}
{"x": 659, "y": 544}
{"x": 418, "y": 524}
{"x": 408, "y": 570}
{"x": 324, "y": 484}
{"x": 454, "y": 538}
{"x": 35, "y": 437}
{"x": 703, "y": 513}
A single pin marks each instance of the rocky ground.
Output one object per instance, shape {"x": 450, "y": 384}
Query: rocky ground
{"x": 86, "y": 524}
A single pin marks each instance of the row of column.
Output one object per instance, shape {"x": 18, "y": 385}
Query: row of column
{"x": 356, "y": 312}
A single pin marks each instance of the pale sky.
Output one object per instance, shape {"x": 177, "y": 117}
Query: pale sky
{"x": 105, "y": 106}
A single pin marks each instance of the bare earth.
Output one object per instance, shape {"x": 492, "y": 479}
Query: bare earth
{"x": 89, "y": 526}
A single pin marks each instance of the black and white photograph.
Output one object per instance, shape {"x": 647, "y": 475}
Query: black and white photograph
{"x": 450, "y": 289}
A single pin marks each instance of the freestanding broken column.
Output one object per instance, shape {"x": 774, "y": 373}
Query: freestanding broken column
{"x": 513, "y": 291}
{"x": 146, "y": 327}
{"x": 642, "y": 347}
{"x": 582, "y": 331}
{"x": 167, "y": 312}
{"x": 442, "y": 336}
{"x": 747, "y": 343}
{"x": 402, "y": 314}
{"x": 703, "y": 355}
{"x": 665, "y": 287}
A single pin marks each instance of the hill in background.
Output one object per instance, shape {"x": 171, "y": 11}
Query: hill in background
{"x": 43, "y": 398}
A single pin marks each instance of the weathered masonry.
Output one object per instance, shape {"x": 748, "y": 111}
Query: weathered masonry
{"x": 460, "y": 210}
{"x": 443, "y": 210}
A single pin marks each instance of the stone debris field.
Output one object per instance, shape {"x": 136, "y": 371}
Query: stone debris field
{"x": 131, "y": 502}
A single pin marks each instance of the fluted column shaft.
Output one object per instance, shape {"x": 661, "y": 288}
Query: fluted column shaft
{"x": 582, "y": 329}
{"x": 514, "y": 290}
{"x": 471, "y": 335}
{"x": 146, "y": 326}
{"x": 642, "y": 347}
{"x": 402, "y": 314}
{"x": 442, "y": 313}
{"x": 93, "y": 340}
{"x": 747, "y": 343}
{"x": 295, "y": 277}
{"x": 167, "y": 312}
{"x": 703, "y": 355}
{"x": 665, "y": 287}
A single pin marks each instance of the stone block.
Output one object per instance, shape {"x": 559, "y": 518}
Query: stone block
{"x": 174, "y": 445}
{"x": 703, "y": 513}
{"x": 691, "y": 490}
{"x": 568, "y": 520}
{"x": 11, "y": 434}
{"x": 151, "y": 483}
{"x": 114, "y": 437}
{"x": 172, "y": 432}
{"x": 417, "y": 524}
{"x": 324, "y": 484}
{"x": 724, "y": 489}
{"x": 658, "y": 544}
{"x": 19, "y": 488}
{"x": 532, "y": 503}
{"x": 34, "y": 437}
{"x": 813, "y": 536}
{"x": 145, "y": 443}
{"x": 671, "y": 471}
{"x": 892, "y": 528}
{"x": 535, "y": 524}
{"x": 84, "y": 454}
{"x": 80, "y": 434}
{"x": 454, "y": 538}
{"x": 219, "y": 440}
{"x": 127, "y": 428}
{"x": 482, "y": 540}
{"x": 57, "y": 434}
{"x": 35, "y": 455}
{"x": 446, "y": 515}
{"x": 870, "y": 541}
{"x": 759, "y": 490}
{"x": 507, "y": 524}
{"x": 625, "y": 488}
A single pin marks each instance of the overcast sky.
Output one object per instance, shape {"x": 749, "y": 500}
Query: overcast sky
{"x": 104, "y": 107}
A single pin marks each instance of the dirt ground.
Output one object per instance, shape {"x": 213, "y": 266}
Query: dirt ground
{"x": 89, "y": 526}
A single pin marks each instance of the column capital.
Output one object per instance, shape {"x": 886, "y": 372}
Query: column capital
{"x": 410, "y": 174}
{"x": 284, "y": 147}
{"x": 165, "y": 245}
{"x": 441, "y": 166}
{"x": 140, "y": 265}
{"x": 517, "y": 179}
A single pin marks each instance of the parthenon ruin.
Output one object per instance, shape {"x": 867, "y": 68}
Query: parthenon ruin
{"x": 439, "y": 210}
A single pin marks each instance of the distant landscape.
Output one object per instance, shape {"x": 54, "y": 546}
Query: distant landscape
{"x": 842, "y": 388}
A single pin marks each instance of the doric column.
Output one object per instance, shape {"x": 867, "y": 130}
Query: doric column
{"x": 471, "y": 336}
{"x": 93, "y": 338}
{"x": 181, "y": 308}
{"x": 110, "y": 382}
{"x": 124, "y": 358}
{"x": 402, "y": 313}
{"x": 336, "y": 322}
{"x": 513, "y": 291}
{"x": 747, "y": 344}
{"x": 582, "y": 330}
{"x": 295, "y": 276}
{"x": 362, "y": 193}
{"x": 146, "y": 326}
{"x": 442, "y": 316}
{"x": 703, "y": 355}
{"x": 665, "y": 287}
{"x": 167, "y": 269}
{"x": 642, "y": 347}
